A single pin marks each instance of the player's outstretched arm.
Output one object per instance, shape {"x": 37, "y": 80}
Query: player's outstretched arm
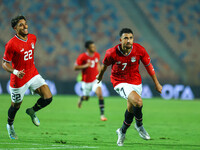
{"x": 101, "y": 73}
{"x": 6, "y": 66}
{"x": 158, "y": 86}
{"x": 152, "y": 73}
{"x": 80, "y": 67}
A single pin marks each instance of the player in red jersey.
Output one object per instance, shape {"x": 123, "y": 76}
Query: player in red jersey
{"x": 88, "y": 62}
{"x": 20, "y": 52}
{"x": 125, "y": 77}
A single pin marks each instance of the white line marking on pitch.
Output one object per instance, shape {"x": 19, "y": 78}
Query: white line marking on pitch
{"x": 65, "y": 147}
{"x": 50, "y": 146}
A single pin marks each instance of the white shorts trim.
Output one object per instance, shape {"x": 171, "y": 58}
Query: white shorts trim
{"x": 124, "y": 89}
{"x": 88, "y": 87}
{"x": 17, "y": 94}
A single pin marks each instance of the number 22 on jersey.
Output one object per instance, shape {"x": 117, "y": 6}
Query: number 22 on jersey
{"x": 28, "y": 55}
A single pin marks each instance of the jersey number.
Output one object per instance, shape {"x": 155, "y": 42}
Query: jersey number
{"x": 16, "y": 97}
{"x": 28, "y": 55}
{"x": 93, "y": 64}
{"x": 124, "y": 64}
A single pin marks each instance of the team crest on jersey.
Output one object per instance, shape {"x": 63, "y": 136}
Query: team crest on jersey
{"x": 32, "y": 45}
{"x": 133, "y": 59}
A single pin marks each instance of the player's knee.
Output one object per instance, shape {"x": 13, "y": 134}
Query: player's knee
{"x": 16, "y": 105}
{"x": 138, "y": 102}
{"x": 130, "y": 109}
{"x": 100, "y": 97}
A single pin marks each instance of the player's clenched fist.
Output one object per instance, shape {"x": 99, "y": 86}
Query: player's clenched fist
{"x": 99, "y": 78}
{"x": 88, "y": 64}
{"x": 19, "y": 74}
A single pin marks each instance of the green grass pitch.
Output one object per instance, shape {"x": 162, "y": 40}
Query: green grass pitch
{"x": 172, "y": 124}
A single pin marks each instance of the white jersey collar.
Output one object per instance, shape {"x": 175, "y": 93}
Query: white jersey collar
{"x": 21, "y": 39}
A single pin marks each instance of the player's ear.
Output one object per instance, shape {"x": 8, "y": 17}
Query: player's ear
{"x": 120, "y": 39}
{"x": 15, "y": 28}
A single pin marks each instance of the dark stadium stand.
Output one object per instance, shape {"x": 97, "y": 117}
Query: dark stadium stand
{"x": 62, "y": 27}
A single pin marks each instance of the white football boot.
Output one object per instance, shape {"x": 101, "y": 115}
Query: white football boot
{"x": 121, "y": 137}
{"x": 142, "y": 132}
{"x": 11, "y": 132}
{"x": 33, "y": 116}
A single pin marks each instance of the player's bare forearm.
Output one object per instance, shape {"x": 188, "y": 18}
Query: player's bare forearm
{"x": 81, "y": 67}
{"x": 101, "y": 73}
{"x": 158, "y": 86}
{"x": 6, "y": 66}
{"x": 77, "y": 67}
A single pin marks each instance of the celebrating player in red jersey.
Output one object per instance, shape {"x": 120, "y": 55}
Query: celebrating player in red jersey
{"x": 88, "y": 62}
{"x": 20, "y": 51}
{"x": 125, "y": 77}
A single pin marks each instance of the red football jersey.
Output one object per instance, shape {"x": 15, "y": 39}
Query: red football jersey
{"x": 89, "y": 74}
{"x": 21, "y": 54}
{"x": 125, "y": 68}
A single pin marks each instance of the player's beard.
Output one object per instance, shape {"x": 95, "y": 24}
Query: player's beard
{"x": 128, "y": 46}
{"x": 92, "y": 51}
{"x": 23, "y": 33}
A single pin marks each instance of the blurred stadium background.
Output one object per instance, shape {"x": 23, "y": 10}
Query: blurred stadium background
{"x": 168, "y": 29}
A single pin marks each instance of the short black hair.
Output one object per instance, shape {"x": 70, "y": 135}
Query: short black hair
{"x": 125, "y": 30}
{"x": 16, "y": 19}
{"x": 88, "y": 43}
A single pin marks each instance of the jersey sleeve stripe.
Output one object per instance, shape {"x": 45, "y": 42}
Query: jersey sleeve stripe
{"x": 148, "y": 64}
{"x": 6, "y": 60}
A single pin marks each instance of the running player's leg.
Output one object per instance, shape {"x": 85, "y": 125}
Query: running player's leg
{"x": 39, "y": 86}
{"x": 45, "y": 97}
{"x": 136, "y": 102}
{"x": 17, "y": 95}
{"x": 124, "y": 90}
{"x": 86, "y": 89}
{"x": 128, "y": 117}
{"x": 11, "y": 116}
{"x": 82, "y": 98}
{"x": 14, "y": 107}
{"x": 101, "y": 102}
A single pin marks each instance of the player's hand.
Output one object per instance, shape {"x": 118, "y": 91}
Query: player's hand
{"x": 88, "y": 64}
{"x": 21, "y": 74}
{"x": 99, "y": 78}
{"x": 159, "y": 87}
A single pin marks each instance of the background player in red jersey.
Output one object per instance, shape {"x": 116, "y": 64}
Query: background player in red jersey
{"x": 88, "y": 62}
{"x": 125, "y": 77}
{"x": 20, "y": 51}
